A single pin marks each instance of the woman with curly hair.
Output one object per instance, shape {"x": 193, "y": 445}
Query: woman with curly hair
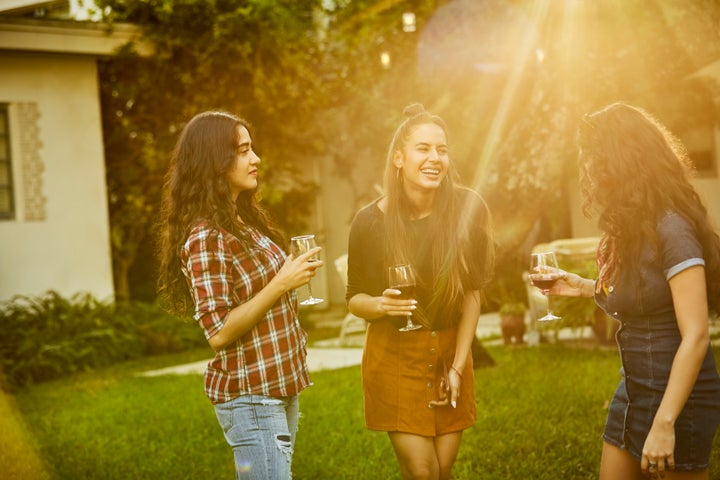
{"x": 418, "y": 385}
{"x": 223, "y": 260}
{"x": 659, "y": 276}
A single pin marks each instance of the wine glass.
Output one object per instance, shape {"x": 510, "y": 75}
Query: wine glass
{"x": 298, "y": 246}
{"x": 401, "y": 277}
{"x": 544, "y": 272}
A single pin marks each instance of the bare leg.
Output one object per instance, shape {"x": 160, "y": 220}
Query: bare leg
{"x": 618, "y": 464}
{"x": 446, "y": 449}
{"x": 416, "y": 456}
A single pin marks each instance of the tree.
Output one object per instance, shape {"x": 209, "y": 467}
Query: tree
{"x": 254, "y": 59}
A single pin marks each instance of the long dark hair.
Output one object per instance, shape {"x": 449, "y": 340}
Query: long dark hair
{"x": 196, "y": 189}
{"x": 633, "y": 172}
{"x": 457, "y": 210}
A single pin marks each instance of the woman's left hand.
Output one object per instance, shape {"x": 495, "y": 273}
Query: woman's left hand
{"x": 657, "y": 454}
{"x": 449, "y": 390}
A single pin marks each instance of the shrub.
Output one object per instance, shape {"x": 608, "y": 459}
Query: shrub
{"x": 49, "y": 336}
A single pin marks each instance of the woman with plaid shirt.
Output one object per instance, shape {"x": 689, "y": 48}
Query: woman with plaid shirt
{"x": 222, "y": 259}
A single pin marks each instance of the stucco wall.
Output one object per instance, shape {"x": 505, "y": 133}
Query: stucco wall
{"x": 69, "y": 250}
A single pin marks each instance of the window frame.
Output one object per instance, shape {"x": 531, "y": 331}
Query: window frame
{"x": 10, "y": 213}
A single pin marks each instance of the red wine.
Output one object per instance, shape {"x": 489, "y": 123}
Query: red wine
{"x": 406, "y": 292}
{"x": 544, "y": 282}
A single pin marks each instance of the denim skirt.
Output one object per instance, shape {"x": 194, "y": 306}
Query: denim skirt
{"x": 647, "y": 349}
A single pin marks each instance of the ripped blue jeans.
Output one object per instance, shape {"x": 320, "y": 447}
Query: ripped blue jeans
{"x": 261, "y": 432}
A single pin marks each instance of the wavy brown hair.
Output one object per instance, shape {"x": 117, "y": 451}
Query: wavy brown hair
{"x": 196, "y": 190}
{"x": 633, "y": 172}
{"x": 457, "y": 210}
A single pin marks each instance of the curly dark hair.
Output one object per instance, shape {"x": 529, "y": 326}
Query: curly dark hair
{"x": 196, "y": 190}
{"x": 633, "y": 172}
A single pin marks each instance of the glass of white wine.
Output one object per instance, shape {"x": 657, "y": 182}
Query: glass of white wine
{"x": 298, "y": 246}
{"x": 401, "y": 277}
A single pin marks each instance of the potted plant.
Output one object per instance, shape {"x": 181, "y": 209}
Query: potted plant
{"x": 512, "y": 322}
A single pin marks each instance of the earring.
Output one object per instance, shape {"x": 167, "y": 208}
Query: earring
{"x": 397, "y": 174}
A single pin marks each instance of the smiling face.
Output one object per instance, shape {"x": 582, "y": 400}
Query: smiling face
{"x": 423, "y": 161}
{"x": 243, "y": 174}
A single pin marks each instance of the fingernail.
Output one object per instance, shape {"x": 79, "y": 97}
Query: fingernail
{"x": 454, "y": 404}
{"x": 414, "y": 302}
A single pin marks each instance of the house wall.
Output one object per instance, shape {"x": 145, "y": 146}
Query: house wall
{"x": 59, "y": 239}
{"x": 335, "y": 216}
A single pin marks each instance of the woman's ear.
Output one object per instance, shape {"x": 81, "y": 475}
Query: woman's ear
{"x": 397, "y": 159}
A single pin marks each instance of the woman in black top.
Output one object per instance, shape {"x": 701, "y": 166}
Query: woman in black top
{"x": 418, "y": 385}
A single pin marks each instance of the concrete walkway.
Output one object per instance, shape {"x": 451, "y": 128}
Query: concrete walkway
{"x": 334, "y": 353}
{"x": 317, "y": 359}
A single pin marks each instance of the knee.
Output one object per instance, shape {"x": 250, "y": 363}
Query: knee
{"x": 421, "y": 471}
{"x": 445, "y": 472}
{"x": 284, "y": 444}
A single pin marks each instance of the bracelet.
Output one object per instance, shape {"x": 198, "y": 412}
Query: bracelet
{"x": 452, "y": 367}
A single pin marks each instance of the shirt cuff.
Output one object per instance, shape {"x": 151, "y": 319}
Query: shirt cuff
{"x": 684, "y": 265}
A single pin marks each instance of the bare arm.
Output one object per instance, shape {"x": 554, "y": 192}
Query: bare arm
{"x": 294, "y": 273}
{"x": 690, "y": 301}
{"x": 463, "y": 344}
{"x": 465, "y": 335}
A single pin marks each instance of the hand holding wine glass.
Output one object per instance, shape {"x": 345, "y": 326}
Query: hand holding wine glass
{"x": 298, "y": 246}
{"x": 402, "y": 278}
{"x": 544, "y": 272}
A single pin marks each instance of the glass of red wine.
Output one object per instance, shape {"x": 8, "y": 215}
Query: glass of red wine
{"x": 544, "y": 272}
{"x": 402, "y": 278}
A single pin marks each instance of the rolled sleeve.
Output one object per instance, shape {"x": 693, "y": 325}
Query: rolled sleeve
{"x": 681, "y": 248}
{"x": 209, "y": 264}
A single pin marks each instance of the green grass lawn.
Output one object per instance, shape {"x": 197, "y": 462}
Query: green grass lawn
{"x": 540, "y": 415}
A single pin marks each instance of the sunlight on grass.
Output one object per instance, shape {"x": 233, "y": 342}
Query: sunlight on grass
{"x": 541, "y": 412}
{"x": 18, "y": 456}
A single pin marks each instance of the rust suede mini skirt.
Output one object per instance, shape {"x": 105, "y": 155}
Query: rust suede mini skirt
{"x": 401, "y": 373}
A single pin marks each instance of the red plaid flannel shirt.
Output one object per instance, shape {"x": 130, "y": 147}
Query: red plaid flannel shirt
{"x": 270, "y": 359}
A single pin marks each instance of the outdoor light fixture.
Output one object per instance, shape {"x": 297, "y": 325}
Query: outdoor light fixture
{"x": 408, "y": 20}
{"x": 385, "y": 59}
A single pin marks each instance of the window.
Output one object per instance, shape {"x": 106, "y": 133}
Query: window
{"x": 7, "y": 206}
{"x": 700, "y": 144}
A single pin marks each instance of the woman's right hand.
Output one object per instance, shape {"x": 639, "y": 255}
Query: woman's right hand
{"x": 391, "y": 305}
{"x": 298, "y": 271}
{"x": 572, "y": 285}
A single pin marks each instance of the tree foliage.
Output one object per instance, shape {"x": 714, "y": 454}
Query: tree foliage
{"x": 252, "y": 58}
{"x": 510, "y": 77}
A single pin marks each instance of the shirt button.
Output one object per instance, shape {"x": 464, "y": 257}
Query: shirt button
{"x": 429, "y": 384}
{"x": 432, "y": 350}
{"x": 612, "y": 287}
{"x": 430, "y": 366}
